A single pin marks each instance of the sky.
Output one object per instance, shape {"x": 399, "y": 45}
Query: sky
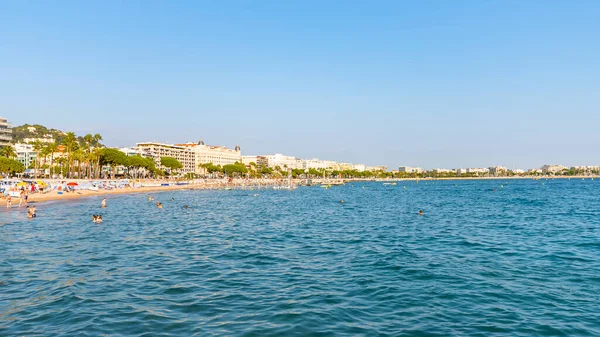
{"x": 436, "y": 84}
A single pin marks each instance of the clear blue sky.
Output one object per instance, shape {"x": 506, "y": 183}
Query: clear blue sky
{"x": 422, "y": 83}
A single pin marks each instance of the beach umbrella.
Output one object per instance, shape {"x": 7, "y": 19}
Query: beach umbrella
{"x": 41, "y": 183}
{"x": 72, "y": 183}
{"x": 21, "y": 184}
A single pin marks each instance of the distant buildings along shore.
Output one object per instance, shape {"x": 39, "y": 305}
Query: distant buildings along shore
{"x": 193, "y": 155}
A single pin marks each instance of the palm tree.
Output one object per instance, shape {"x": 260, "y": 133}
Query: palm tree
{"x": 70, "y": 142}
{"x": 97, "y": 138}
{"x": 51, "y": 148}
{"x": 8, "y": 151}
{"x": 89, "y": 141}
{"x": 44, "y": 153}
{"x": 96, "y": 142}
{"x": 37, "y": 148}
{"x": 61, "y": 161}
{"x": 97, "y": 153}
{"x": 79, "y": 156}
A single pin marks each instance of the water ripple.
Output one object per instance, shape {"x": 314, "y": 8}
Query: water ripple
{"x": 521, "y": 261}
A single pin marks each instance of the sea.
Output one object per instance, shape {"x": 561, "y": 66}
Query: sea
{"x": 486, "y": 258}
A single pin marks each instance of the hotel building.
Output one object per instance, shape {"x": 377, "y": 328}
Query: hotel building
{"x": 320, "y": 164}
{"x": 217, "y": 155}
{"x": 25, "y": 154}
{"x": 497, "y": 171}
{"x": 408, "y": 169}
{"x": 157, "y": 150}
{"x": 5, "y": 132}
{"x": 553, "y": 168}
{"x": 260, "y": 161}
{"x": 283, "y": 162}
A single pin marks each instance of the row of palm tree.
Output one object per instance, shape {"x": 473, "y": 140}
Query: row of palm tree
{"x": 84, "y": 152}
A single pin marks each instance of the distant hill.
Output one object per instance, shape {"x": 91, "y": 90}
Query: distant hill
{"x": 22, "y": 132}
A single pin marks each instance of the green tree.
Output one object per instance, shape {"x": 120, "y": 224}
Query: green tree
{"x": 37, "y": 148}
{"x": 170, "y": 163}
{"x": 113, "y": 158}
{"x": 211, "y": 168}
{"x": 8, "y": 151}
{"x": 97, "y": 145}
{"x": 11, "y": 166}
{"x": 80, "y": 156}
{"x": 89, "y": 143}
{"x": 236, "y": 169}
{"x": 138, "y": 162}
{"x": 71, "y": 144}
{"x": 50, "y": 149}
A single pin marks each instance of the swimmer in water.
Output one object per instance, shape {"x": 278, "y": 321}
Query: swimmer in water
{"x": 97, "y": 218}
{"x": 420, "y": 212}
{"x": 158, "y": 204}
{"x": 256, "y": 194}
{"x": 104, "y": 203}
{"x": 31, "y": 212}
{"x": 150, "y": 198}
{"x": 186, "y": 207}
{"x": 342, "y": 201}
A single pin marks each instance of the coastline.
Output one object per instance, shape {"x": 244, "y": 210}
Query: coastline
{"x": 38, "y": 198}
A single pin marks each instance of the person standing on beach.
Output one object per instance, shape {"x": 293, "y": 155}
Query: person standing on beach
{"x": 8, "y": 201}
{"x": 104, "y": 203}
{"x": 22, "y": 198}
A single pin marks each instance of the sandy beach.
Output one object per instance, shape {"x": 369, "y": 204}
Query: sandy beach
{"x": 54, "y": 195}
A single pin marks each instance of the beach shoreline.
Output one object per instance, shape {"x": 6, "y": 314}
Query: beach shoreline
{"x": 37, "y": 198}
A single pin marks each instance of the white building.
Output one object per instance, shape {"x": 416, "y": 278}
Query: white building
{"x": 135, "y": 151}
{"x": 518, "y": 171}
{"x": 359, "y": 167}
{"x": 45, "y": 140}
{"x": 478, "y": 170}
{"x": 408, "y": 169}
{"x": 283, "y": 161}
{"x": 5, "y": 132}
{"x": 345, "y": 166}
{"x": 217, "y": 155}
{"x": 497, "y": 171}
{"x": 260, "y": 161}
{"x": 440, "y": 170}
{"x": 553, "y": 168}
{"x": 586, "y": 168}
{"x": 381, "y": 168}
{"x": 321, "y": 164}
{"x": 25, "y": 154}
{"x": 246, "y": 160}
{"x": 183, "y": 154}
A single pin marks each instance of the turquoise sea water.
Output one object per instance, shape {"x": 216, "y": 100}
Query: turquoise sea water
{"x": 521, "y": 261}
